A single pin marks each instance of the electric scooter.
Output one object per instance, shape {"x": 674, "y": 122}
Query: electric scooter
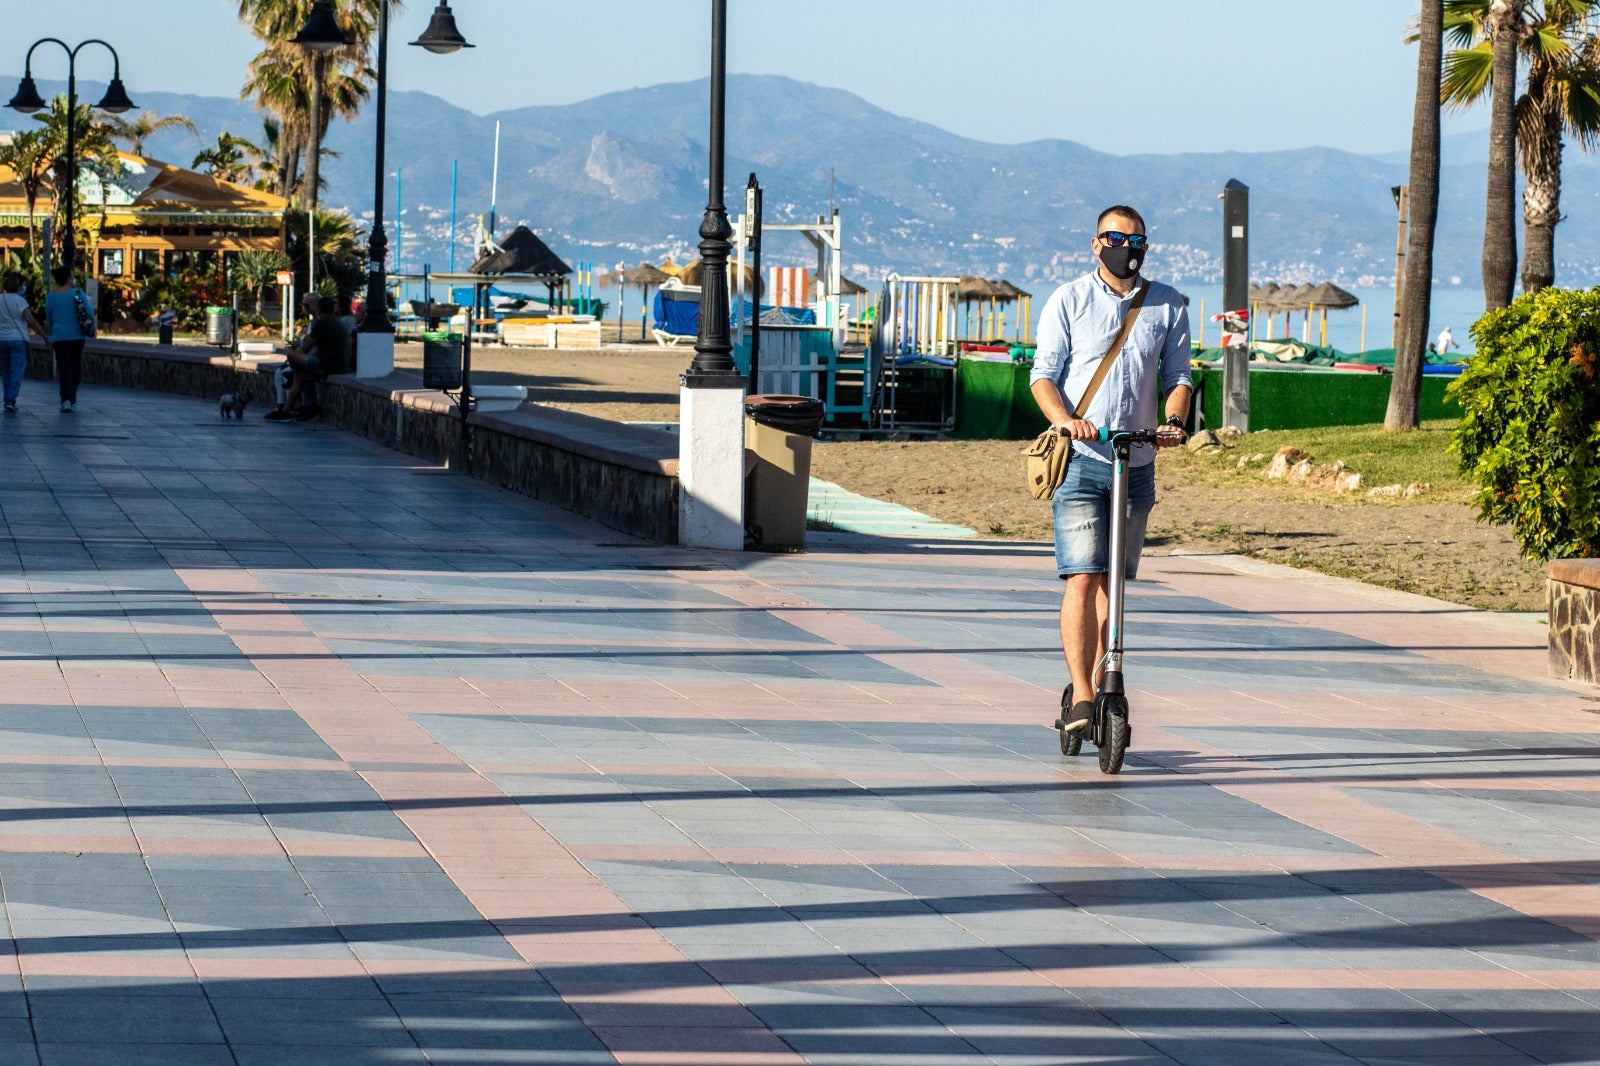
{"x": 1108, "y": 726}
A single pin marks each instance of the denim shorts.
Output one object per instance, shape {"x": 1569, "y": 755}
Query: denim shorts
{"x": 1081, "y": 509}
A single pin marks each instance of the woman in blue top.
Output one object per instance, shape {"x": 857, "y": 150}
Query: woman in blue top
{"x": 65, "y": 309}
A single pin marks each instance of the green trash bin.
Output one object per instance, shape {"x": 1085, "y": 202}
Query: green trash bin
{"x": 219, "y": 326}
{"x": 441, "y": 361}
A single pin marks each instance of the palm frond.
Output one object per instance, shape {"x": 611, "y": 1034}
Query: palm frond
{"x": 1468, "y": 73}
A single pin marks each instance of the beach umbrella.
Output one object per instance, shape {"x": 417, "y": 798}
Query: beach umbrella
{"x": 692, "y": 271}
{"x": 1261, "y": 297}
{"x": 972, "y": 288}
{"x": 1025, "y": 312}
{"x": 850, "y": 288}
{"x": 670, "y": 268}
{"x": 1329, "y": 297}
{"x": 646, "y": 277}
{"x": 1004, "y": 293}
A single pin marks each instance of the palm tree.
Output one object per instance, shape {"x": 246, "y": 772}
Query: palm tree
{"x": 305, "y": 89}
{"x": 264, "y": 158}
{"x": 1562, "y": 97}
{"x": 1405, "y": 388}
{"x": 255, "y": 271}
{"x": 28, "y": 156}
{"x": 95, "y": 154}
{"x": 1505, "y": 24}
{"x": 225, "y": 160}
{"x": 145, "y": 125}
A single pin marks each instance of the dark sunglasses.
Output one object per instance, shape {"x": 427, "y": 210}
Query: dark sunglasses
{"x": 1116, "y": 237}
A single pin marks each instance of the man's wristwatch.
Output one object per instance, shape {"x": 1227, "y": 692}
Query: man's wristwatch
{"x": 1176, "y": 421}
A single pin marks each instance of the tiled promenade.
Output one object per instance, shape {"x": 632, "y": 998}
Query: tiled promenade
{"x": 311, "y": 755}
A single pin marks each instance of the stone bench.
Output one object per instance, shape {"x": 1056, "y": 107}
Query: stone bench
{"x": 625, "y": 477}
{"x": 1575, "y": 619}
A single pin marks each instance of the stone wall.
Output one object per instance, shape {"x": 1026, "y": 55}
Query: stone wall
{"x": 1575, "y": 619}
{"x": 622, "y": 476}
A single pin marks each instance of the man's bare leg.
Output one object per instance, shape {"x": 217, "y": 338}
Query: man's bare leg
{"x": 1083, "y": 614}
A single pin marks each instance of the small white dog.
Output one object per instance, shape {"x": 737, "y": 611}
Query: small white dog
{"x": 234, "y": 403}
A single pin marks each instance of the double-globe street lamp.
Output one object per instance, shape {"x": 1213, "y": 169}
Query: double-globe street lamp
{"x": 28, "y": 101}
{"x": 322, "y": 33}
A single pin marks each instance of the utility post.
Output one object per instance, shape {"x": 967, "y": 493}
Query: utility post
{"x": 1236, "y": 297}
{"x": 1402, "y": 197}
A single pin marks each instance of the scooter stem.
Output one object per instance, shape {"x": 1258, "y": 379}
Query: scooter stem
{"x": 1117, "y": 571}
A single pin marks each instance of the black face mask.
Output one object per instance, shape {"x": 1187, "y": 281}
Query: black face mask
{"x": 1123, "y": 262}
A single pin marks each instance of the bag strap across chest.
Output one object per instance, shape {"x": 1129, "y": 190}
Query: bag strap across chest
{"x": 1115, "y": 350}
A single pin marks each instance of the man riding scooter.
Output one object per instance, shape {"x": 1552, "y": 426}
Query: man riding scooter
{"x": 1077, "y": 328}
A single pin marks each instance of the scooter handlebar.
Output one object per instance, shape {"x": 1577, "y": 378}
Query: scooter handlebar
{"x": 1132, "y": 436}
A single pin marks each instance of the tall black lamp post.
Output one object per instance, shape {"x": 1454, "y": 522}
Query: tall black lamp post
{"x": 323, "y": 34}
{"x": 28, "y": 101}
{"x": 713, "y": 367}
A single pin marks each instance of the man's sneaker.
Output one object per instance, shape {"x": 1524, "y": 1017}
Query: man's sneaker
{"x": 280, "y": 416}
{"x": 66, "y": 407}
{"x": 1078, "y": 717}
{"x": 11, "y": 407}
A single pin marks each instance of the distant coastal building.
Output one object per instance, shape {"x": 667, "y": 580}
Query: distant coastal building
{"x": 153, "y": 218}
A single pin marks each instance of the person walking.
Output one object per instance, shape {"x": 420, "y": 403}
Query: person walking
{"x": 71, "y": 322}
{"x": 1079, "y": 326}
{"x": 15, "y": 322}
{"x": 1445, "y": 342}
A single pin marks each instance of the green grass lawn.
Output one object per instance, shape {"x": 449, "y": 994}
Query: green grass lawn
{"x": 1380, "y": 457}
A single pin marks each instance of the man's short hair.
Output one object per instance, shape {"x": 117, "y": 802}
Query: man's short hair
{"x": 327, "y": 305}
{"x": 1118, "y": 209}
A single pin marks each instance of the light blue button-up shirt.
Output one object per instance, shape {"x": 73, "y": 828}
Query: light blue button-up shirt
{"x": 1078, "y": 324}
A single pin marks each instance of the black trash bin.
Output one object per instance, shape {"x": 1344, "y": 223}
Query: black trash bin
{"x": 778, "y": 430}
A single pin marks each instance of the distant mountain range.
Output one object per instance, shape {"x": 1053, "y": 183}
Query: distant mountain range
{"x": 621, "y": 177}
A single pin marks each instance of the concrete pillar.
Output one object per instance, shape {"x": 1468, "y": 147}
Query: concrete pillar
{"x": 375, "y": 355}
{"x": 711, "y": 468}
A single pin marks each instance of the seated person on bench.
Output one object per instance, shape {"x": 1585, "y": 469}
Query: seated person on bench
{"x": 325, "y": 351}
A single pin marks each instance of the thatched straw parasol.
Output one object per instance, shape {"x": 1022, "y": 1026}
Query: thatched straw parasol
{"x": 670, "y": 268}
{"x": 1329, "y": 296}
{"x": 692, "y": 271}
{"x": 646, "y": 277}
{"x": 850, "y": 288}
{"x": 1264, "y": 294}
{"x": 972, "y": 287}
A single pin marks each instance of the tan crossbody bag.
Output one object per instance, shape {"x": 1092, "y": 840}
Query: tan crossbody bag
{"x": 1047, "y": 457}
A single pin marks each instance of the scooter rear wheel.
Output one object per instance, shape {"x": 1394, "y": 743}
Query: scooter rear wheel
{"x": 1114, "y": 732}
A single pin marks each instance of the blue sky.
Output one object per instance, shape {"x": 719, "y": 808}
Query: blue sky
{"x": 1125, "y": 76}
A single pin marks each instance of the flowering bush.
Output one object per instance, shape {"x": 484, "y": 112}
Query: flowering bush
{"x": 189, "y": 294}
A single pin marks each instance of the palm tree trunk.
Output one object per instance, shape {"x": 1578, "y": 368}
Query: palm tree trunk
{"x": 1416, "y": 296}
{"x": 308, "y": 195}
{"x": 1541, "y": 197}
{"x": 1500, "y": 226}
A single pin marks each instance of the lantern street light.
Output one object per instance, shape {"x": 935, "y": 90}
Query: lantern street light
{"x": 28, "y": 101}
{"x": 322, "y": 33}
{"x": 711, "y": 393}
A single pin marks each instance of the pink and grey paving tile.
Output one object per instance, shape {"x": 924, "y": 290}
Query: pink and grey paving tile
{"x": 310, "y": 753}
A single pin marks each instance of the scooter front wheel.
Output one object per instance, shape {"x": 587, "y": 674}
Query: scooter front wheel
{"x": 1114, "y": 734}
